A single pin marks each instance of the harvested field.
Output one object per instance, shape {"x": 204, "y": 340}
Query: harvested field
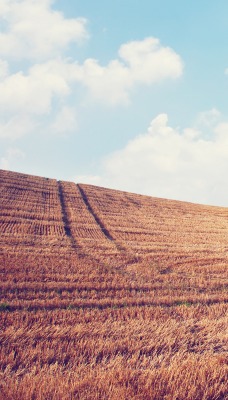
{"x": 110, "y": 295}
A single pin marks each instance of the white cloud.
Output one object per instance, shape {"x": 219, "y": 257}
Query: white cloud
{"x": 90, "y": 179}
{"x": 221, "y": 132}
{"x": 38, "y": 83}
{"x": 35, "y": 31}
{"x": 209, "y": 118}
{"x": 3, "y": 69}
{"x": 65, "y": 122}
{"x": 166, "y": 162}
{"x": 11, "y": 155}
{"x": 26, "y": 98}
{"x": 110, "y": 84}
{"x": 149, "y": 62}
{"x": 140, "y": 62}
{"x": 32, "y": 30}
{"x": 33, "y": 92}
{"x": 17, "y": 126}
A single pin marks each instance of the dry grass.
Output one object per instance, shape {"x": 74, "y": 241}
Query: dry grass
{"x": 110, "y": 295}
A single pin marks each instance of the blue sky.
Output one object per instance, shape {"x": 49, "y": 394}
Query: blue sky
{"x": 125, "y": 94}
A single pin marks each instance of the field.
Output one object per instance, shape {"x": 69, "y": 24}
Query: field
{"x": 110, "y": 295}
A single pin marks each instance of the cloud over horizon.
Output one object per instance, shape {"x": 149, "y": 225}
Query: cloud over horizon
{"x": 167, "y": 162}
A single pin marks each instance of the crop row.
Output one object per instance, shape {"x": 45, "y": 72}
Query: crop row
{"x": 38, "y": 199}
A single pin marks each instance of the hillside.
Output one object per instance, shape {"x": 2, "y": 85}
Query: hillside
{"x": 113, "y": 294}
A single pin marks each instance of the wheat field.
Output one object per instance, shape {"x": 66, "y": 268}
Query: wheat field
{"x": 106, "y": 294}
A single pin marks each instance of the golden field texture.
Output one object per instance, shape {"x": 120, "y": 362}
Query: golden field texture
{"x": 110, "y": 295}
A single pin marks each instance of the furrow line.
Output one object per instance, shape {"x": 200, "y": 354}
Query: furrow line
{"x": 66, "y": 221}
{"x": 120, "y": 248}
{"x": 95, "y": 216}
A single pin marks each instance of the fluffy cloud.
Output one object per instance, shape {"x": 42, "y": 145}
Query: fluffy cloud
{"x": 149, "y": 62}
{"x": 3, "y": 69}
{"x": 65, "y": 122}
{"x": 209, "y": 118}
{"x": 140, "y": 62}
{"x": 34, "y": 31}
{"x": 17, "y": 126}
{"x": 37, "y": 80}
{"x": 40, "y": 87}
{"x": 166, "y": 162}
{"x": 26, "y": 98}
{"x": 34, "y": 91}
{"x": 10, "y": 155}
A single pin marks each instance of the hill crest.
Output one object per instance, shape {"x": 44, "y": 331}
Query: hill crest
{"x": 43, "y": 214}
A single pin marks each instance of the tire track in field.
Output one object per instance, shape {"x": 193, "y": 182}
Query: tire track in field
{"x": 95, "y": 216}
{"x": 130, "y": 257}
{"x": 81, "y": 251}
{"x": 66, "y": 221}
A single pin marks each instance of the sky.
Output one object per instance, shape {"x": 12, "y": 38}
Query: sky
{"x": 125, "y": 94}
